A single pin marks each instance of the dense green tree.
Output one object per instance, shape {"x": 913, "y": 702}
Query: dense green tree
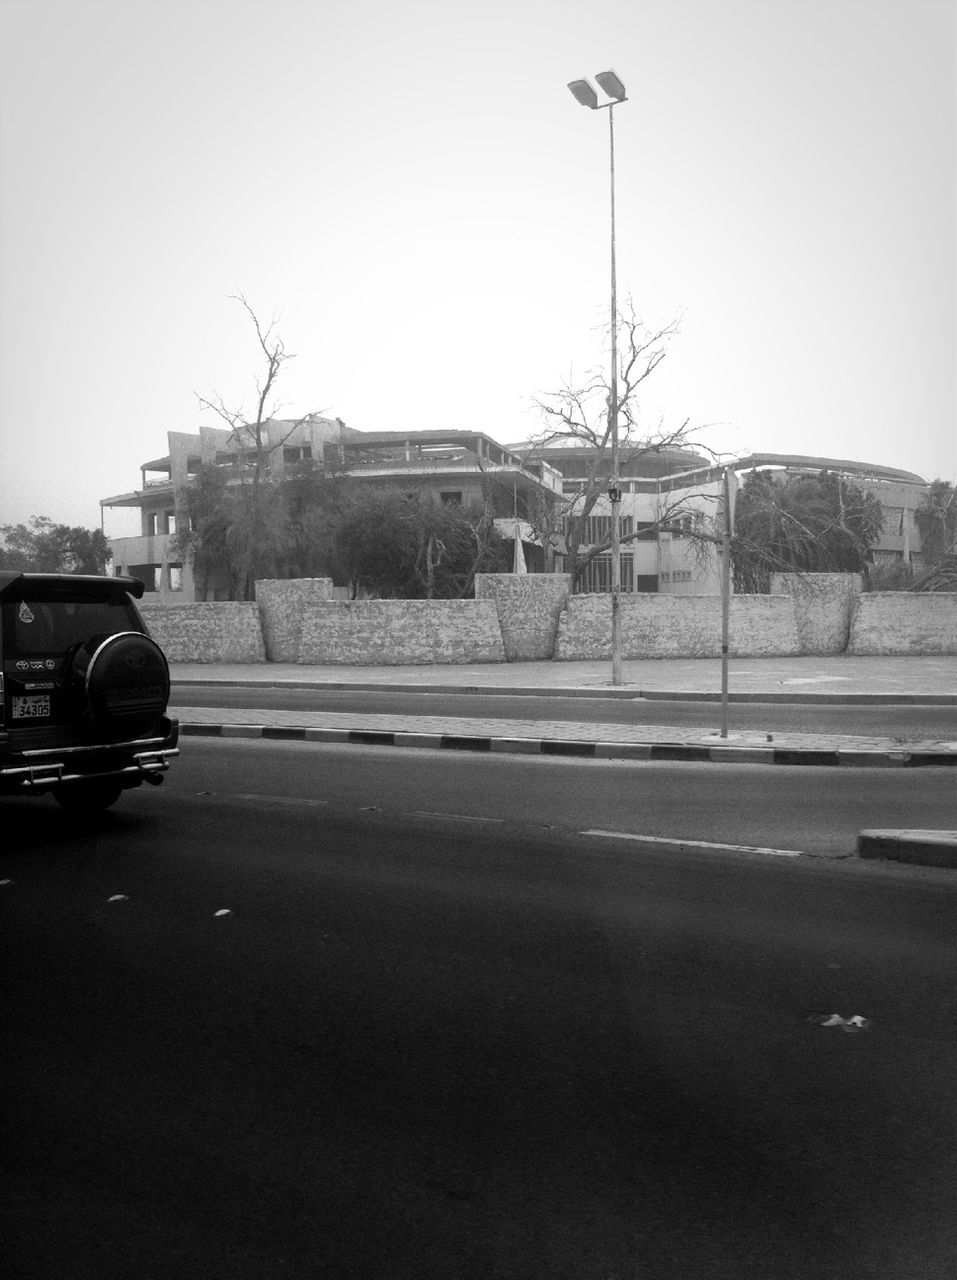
{"x": 202, "y": 529}
{"x": 378, "y": 541}
{"x": 44, "y": 547}
{"x": 412, "y": 547}
{"x": 315, "y": 502}
{"x": 936, "y": 519}
{"x": 801, "y": 523}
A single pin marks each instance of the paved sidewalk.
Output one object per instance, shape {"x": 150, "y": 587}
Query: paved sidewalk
{"x": 898, "y": 680}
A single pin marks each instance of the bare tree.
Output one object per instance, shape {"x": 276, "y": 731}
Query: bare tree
{"x": 252, "y": 537}
{"x": 579, "y": 417}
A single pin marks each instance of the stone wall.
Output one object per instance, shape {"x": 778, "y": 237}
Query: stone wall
{"x": 281, "y": 602}
{"x": 528, "y": 607}
{"x": 221, "y": 631}
{"x": 515, "y": 618}
{"x": 904, "y": 622}
{"x": 400, "y": 632}
{"x": 657, "y": 626}
{"x": 824, "y": 604}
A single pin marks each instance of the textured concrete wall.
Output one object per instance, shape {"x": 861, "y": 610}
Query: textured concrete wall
{"x": 823, "y": 606}
{"x": 224, "y": 631}
{"x": 281, "y": 602}
{"x": 306, "y": 627}
{"x": 400, "y": 632}
{"x": 654, "y": 626}
{"x": 529, "y": 606}
{"x": 901, "y": 622}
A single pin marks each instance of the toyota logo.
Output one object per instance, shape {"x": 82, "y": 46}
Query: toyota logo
{"x": 135, "y": 660}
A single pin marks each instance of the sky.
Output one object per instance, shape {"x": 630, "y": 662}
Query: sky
{"x": 410, "y": 191}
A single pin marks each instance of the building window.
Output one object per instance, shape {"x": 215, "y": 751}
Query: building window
{"x": 175, "y": 577}
{"x": 148, "y": 574}
{"x": 452, "y": 498}
{"x": 597, "y": 573}
{"x": 681, "y": 526}
{"x": 597, "y": 529}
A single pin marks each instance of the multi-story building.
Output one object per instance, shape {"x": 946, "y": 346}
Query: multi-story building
{"x": 664, "y": 496}
{"x": 453, "y": 466}
{"x": 671, "y": 493}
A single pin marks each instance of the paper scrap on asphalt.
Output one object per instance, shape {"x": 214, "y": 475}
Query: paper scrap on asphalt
{"x": 852, "y": 1024}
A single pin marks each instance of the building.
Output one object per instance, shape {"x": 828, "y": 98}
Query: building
{"x": 665, "y": 495}
{"x": 452, "y": 466}
{"x": 671, "y": 492}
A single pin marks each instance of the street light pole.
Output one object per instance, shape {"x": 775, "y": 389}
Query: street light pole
{"x": 585, "y": 94}
{"x": 614, "y": 488}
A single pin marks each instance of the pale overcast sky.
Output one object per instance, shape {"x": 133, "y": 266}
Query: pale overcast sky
{"x": 411, "y": 189}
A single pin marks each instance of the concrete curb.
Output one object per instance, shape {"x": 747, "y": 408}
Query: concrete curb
{"x": 922, "y": 848}
{"x": 577, "y": 691}
{"x": 691, "y": 752}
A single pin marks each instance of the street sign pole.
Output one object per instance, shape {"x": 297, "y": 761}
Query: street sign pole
{"x": 727, "y": 521}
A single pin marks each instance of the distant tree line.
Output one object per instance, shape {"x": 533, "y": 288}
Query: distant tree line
{"x": 44, "y": 547}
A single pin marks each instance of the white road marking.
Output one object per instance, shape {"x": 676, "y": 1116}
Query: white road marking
{"x": 453, "y": 817}
{"x": 694, "y": 844}
{"x": 294, "y": 800}
{"x": 815, "y": 679}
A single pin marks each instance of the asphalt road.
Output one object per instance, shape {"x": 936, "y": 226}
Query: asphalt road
{"x": 444, "y": 1032}
{"x": 910, "y": 723}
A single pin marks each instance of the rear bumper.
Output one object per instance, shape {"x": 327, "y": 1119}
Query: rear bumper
{"x": 128, "y": 763}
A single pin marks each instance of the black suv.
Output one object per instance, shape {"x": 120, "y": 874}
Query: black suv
{"x": 83, "y": 690}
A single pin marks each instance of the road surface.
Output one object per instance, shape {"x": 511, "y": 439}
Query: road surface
{"x": 315, "y": 1011}
{"x": 910, "y": 723}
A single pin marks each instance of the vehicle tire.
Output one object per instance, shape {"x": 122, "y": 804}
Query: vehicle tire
{"x": 126, "y": 683}
{"x": 88, "y": 797}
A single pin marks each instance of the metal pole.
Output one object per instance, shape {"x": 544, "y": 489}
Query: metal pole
{"x": 725, "y": 599}
{"x": 615, "y": 487}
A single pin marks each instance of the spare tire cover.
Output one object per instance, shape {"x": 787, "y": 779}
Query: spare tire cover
{"x": 127, "y": 684}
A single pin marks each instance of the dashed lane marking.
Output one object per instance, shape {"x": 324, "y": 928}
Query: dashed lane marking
{"x": 302, "y": 801}
{"x": 693, "y": 844}
{"x": 452, "y": 817}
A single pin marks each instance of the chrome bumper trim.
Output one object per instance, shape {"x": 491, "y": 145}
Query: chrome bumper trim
{"x": 52, "y": 773}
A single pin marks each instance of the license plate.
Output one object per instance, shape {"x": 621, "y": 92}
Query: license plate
{"x": 33, "y": 707}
